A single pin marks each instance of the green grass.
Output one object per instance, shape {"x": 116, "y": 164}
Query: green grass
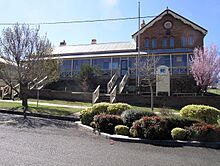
{"x": 155, "y": 109}
{"x": 41, "y": 109}
{"x": 63, "y": 102}
{"x": 214, "y": 91}
{"x": 62, "y": 110}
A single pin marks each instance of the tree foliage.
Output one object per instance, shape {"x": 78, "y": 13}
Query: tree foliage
{"x": 88, "y": 77}
{"x": 28, "y": 56}
{"x": 205, "y": 66}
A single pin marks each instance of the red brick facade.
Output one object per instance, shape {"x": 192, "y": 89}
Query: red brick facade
{"x": 179, "y": 29}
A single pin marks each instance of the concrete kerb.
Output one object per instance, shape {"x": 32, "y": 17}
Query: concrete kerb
{"x": 168, "y": 143}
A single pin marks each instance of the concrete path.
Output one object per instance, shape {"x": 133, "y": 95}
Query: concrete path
{"x": 46, "y": 104}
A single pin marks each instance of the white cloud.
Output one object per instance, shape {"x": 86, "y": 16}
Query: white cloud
{"x": 110, "y": 3}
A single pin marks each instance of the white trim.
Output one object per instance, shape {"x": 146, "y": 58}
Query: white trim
{"x": 184, "y": 20}
{"x": 98, "y": 55}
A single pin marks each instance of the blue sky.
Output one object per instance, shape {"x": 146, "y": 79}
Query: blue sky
{"x": 206, "y": 13}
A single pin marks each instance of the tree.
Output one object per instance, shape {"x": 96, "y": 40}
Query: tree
{"x": 147, "y": 72}
{"x": 205, "y": 66}
{"x": 28, "y": 56}
{"x": 88, "y": 77}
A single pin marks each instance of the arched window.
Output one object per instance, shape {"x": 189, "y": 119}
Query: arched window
{"x": 191, "y": 40}
{"x": 183, "y": 41}
{"x": 172, "y": 42}
{"x": 154, "y": 43}
{"x": 147, "y": 43}
{"x": 164, "y": 43}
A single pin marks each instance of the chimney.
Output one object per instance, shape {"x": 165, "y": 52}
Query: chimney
{"x": 93, "y": 41}
{"x": 63, "y": 43}
{"x": 142, "y": 24}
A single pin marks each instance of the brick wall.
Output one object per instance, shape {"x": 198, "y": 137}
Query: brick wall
{"x": 178, "y": 30}
{"x": 170, "y": 101}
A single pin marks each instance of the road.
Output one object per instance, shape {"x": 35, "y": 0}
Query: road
{"x": 40, "y": 142}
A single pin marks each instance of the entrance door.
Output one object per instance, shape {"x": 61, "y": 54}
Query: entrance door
{"x": 124, "y": 67}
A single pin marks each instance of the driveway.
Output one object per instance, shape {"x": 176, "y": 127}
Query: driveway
{"x": 52, "y": 142}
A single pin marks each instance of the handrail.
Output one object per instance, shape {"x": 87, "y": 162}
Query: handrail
{"x": 14, "y": 92}
{"x": 37, "y": 84}
{"x": 33, "y": 84}
{"x": 113, "y": 94}
{"x": 112, "y": 82}
{"x": 95, "y": 94}
{"x": 123, "y": 82}
{"x": 6, "y": 90}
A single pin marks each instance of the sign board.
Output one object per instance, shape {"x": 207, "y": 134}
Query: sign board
{"x": 162, "y": 79}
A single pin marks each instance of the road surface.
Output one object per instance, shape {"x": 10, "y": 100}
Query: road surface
{"x": 40, "y": 142}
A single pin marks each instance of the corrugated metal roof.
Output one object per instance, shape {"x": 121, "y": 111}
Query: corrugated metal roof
{"x": 94, "y": 48}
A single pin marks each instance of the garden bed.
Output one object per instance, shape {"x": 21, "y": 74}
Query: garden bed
{"x": 195, "y": 124}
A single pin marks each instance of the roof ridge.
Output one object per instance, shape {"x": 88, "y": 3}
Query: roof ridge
{"x": 100, "y": 43}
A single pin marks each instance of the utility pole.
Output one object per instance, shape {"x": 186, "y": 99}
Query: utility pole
{"x": 138, "y": 43}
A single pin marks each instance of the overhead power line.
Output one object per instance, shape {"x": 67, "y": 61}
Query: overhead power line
{"x": 78, "y": 21}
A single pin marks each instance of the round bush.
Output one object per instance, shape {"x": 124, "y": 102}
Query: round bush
{"x": 117, "y": 108}
{"x": 151, "y": 128}
{"x": 121, "y": 130}
{"x": 204, "y": 113}
{"x": 106, "y": 123}
{"x": 179, "y": 121}
{"x": 99, "y": 108}
{"x": 178, "y": 133}
{"x": 203, "y": 132}
{"x": 129, "y": 116}
{"x": 86, "y": 116}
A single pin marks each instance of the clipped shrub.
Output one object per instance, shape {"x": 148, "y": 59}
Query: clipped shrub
{"x": 117, "y": 108}
{"x": 106, "y": 123}
{"x": 179, "y": 121}
{"x": 136, "y": 130}
{"x": 99, "y": 108}
{"x": 151, "y": 128}
{"x": 121, "y": 130}
{"x": 129, "y": 116}
{"x": 218, "y": 121}
{"x": 203, "y": 132}
{"x": 86, "y": 116}
{"x": 178, "y": 133}
{"x": 204, "y": 113}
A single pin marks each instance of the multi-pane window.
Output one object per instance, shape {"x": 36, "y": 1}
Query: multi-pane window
{"x": 191, "y": 40}
{"x": 78, "y": 63}
{"x": 104, "y": 64}
{"x": 183, "y": 41}
{"x": 154, "y": 43}
{"x": 132, "y": 65}
{"x": 163, "y": 60}
{"x": 179, "y": 64}
{"x": 66, "y": 69}
{"x": 147, "y": 43}
{"x": 164, "y": 43}
{"x": 172, "y": 42}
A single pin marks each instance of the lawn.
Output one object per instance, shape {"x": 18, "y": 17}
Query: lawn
{"x": 63, "y": 102}
{"x": 156, "y": 109}
{"x": 63, "y": 110}
{"x": 214, "y": 91}
{"x": 41, "y": 109}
